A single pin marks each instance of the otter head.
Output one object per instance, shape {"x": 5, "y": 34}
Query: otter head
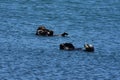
{"x": 41, "y": 28}
{"x": 89, "y": 47}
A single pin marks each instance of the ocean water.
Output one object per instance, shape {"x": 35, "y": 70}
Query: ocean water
{"x": 25, "y": 56}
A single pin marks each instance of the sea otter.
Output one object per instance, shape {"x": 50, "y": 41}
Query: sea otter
{"x": 46, "y": 32}
{"x": 69, "y": 46}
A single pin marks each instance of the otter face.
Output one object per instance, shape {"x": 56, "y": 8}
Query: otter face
{"x": 41, "y": 32}
{"x": 89, "y": 47}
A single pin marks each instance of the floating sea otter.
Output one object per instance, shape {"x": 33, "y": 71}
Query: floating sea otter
{"x": 46, "y": 32}
{"x": 69, "y": 46}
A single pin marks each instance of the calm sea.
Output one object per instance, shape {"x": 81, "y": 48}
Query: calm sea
{"x": 25, "y": 56}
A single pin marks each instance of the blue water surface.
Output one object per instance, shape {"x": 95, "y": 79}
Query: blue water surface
{"x": 25, "y": 56}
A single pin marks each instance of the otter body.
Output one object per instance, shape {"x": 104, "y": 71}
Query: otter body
{"x": 67, "y": 46}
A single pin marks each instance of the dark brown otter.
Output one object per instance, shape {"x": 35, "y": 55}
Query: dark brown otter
{"x": 42, "y": 31}
{"x": 69, "y": 46}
